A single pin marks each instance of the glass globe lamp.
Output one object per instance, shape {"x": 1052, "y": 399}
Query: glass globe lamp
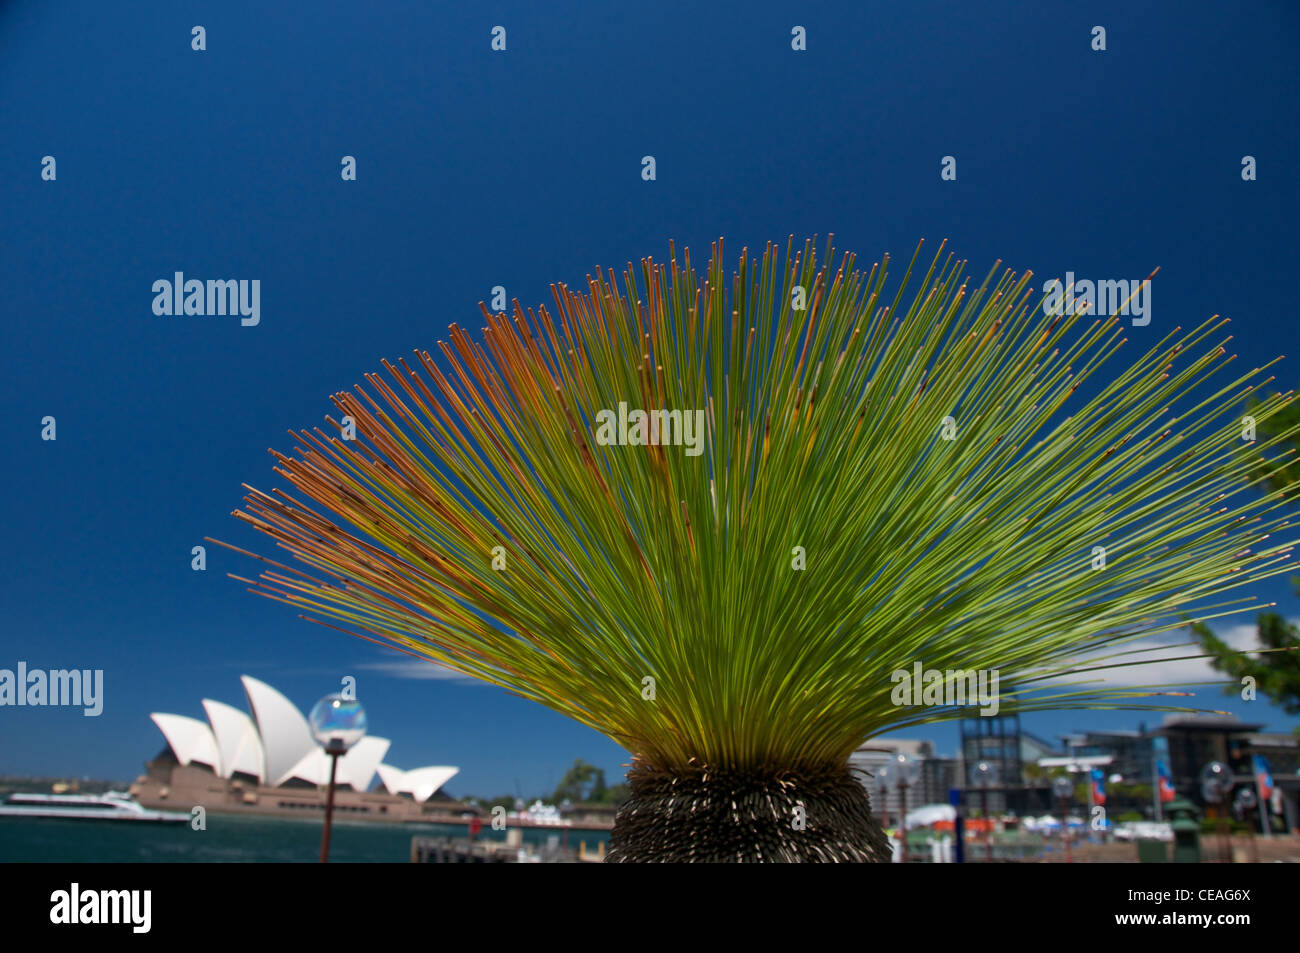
{"x": 337, "y": 723}
{"x": 1216, "y": 781}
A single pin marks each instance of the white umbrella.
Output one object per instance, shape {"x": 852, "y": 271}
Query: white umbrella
{"x": 928, "y": 814}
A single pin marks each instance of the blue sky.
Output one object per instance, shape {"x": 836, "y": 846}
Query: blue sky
{"x": 521, "y": 168}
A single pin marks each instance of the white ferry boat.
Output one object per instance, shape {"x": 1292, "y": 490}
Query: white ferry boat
{"x": 539, "y": 815}
{"x": 109, "y": 806}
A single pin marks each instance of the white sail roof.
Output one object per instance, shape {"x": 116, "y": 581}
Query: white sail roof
{"x": 286, "y": 736}
{"x": 423, "y": 783}
{"x": 356, "y": 768}
{"x": 189, "y": 739}
{"x": 359, "y": 764}
{"x": 391, "y": 778}
{"x": 420, "y": 783}
{"x": 313, "y": 767}
{"x": 279, "y": 747}
{"x": 237, "y": 741}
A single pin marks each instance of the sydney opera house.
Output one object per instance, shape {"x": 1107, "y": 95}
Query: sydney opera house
{"x": 273, "y": 765}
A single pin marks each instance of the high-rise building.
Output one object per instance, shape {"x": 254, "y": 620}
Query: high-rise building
{"x": 935, "y": 775}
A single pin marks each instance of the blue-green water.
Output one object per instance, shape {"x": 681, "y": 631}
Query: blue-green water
{"x": 231, "y": 838}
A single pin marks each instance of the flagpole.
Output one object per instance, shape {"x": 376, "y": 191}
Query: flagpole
{"x": 1155, "y": 785}
{"x": 1263, "y": 801}
{"x": 1087, "y": 774}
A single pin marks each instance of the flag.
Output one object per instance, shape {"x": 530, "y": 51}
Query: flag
{"x": 1166, "y": 785}
{"x": 1263, "y": 777}
{"x": 1098, "y": 790}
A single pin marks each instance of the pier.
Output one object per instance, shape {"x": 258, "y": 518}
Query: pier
{"x": 455, "y": 850}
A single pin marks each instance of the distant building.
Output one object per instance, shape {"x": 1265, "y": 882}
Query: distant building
{"x": 1002, "y": 743}
{"x": 1130, "y": 752}
{"x": 274, "y": 765}
{"x": 1033, "y": 747}
{"x": 1282, "y": 753}
{"x": 997, "y": 740}
{"x": 1195, "y": 740}
{"x": 934, "y": 778}
{"x": 1186, "y": 743}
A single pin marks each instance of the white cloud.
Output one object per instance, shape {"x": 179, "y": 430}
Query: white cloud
{"x": 418, "y": 669}
{"x": 1242, "y": 636}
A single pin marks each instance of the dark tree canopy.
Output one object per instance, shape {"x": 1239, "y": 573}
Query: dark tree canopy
{"x": 1276, "y": 674}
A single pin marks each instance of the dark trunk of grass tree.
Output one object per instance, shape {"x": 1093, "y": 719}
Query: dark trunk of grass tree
{"x": 746, "y": 818}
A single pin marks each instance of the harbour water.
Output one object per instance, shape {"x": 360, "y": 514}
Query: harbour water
{"x": 232, "y": 838}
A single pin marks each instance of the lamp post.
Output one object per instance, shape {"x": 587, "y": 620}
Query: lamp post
{"x": 1216, "y": 787}
{"x": 1063, "y": 787}
{"x": 883, "y": 775}
{"x": 337, "y": 723}
{"x": 1243, "y": 804}
{"x": 905, "y": 770}
{"x": 986, "y": 775}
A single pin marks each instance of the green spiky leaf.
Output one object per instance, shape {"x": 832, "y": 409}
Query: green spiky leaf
{"x": 880, "y": 480}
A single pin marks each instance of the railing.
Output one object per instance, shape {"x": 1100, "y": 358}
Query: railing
{"x": 1007, "y": 847}
{"x": 449, "y": 850}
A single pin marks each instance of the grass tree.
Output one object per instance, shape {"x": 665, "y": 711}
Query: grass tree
{"x": 953, "y": 477}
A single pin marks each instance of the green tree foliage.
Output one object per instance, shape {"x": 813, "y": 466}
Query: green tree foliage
{"x": 1278, "y": 431}
{"x": 585, "y": 784}
{"x": 1276, "y": 674}
{"x": 581, "y": 784}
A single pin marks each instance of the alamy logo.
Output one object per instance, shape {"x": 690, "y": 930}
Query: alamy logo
{"x": 963, "y": 686}
{"x": 75, "y": 905}
{"x": 1103, "y": 298}
{"x": 58, "y": 687}
{"x": 213, "y": 297}
{"x": 641, "y": 428}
